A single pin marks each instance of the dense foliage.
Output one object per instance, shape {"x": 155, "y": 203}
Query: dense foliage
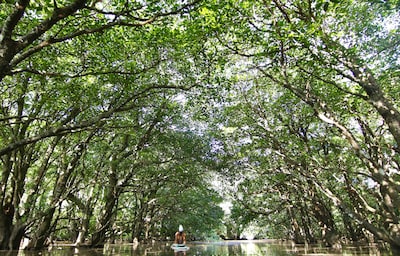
{"x": 313, "y": 120}
{"x": 123, "y": 119}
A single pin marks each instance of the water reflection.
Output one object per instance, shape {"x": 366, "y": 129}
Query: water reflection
{"x": 225, "y": 248}
{"x": 239, "y": 248}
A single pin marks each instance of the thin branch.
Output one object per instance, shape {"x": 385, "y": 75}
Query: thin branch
{"x": 62, "y": 13}
{"x": 281, "y": 8}
{"x": 61, "y": 130}
{"x": 234, "y": 50}
{"x": 93, "y": 73}
{"x": 332, "y": 83}
{"x": 13, "y": 19}
{"x": 58, "y": 14}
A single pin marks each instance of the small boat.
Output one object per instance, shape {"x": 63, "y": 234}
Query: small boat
{"x": 179, "y": 247}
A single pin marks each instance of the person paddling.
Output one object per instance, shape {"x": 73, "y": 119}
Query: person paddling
{"x": 180, "y": 241}
{"x": 180, "y": 237}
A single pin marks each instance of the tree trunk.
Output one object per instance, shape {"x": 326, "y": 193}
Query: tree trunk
{"x": 11, "y": 237}
{"x": 42, "y": 233}
{"x": 84, "y": 227}
{"x": 305, "y": 220}
{"x": 85, "y": 221}
{"x": 5, "y": 231}
{"x": 377, "y": 99}
{"x": 100, "y": 235}
{"x": 388, "y": 233}
{"x": 138, "y": 224}
{"x": 297, "y": 235}
{"x": 39, "y": 238}
{"x": 10, "y": 234}
{"x": 326, "y": 222}
{"x": 353, "y": 232}
{"x": 17, "y": 233}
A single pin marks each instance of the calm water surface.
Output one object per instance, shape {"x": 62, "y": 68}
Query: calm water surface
{"x": 270, "y": 248}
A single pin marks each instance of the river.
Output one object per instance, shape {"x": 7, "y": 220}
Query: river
{"x": 223, "y": 248}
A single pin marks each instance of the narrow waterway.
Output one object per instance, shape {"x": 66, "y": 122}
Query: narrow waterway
{"x": 223, "y": 248}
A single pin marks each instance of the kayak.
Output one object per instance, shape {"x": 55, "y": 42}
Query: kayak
{"x": 179, "y": 247}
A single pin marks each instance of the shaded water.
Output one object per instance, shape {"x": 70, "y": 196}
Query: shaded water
{"x": 225, "y": 248}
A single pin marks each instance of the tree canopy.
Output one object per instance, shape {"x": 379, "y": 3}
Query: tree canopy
{"x": 119, "y": 119}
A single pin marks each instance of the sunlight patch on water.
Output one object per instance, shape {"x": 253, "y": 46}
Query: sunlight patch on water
{"x": 250, "y": 248}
